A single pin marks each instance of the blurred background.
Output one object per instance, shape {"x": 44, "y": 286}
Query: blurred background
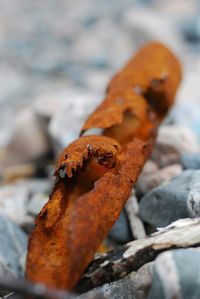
{"x": 56, "y": 58}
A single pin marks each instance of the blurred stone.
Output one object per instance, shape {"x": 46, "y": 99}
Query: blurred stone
{"x": 176, "y": 275}
{"x": 172, "y": 140}
{"x": 184, "y": 113}
{"x": 36, "y": 185}
{"x": 176, "y": 199}
{"x": 136, "y": 224}
{"x": 149, "y": 167}
{"x": 36, "y": 203}
{"x": 65, "y": 126}
{"x": 13, "y": 244}
{"x": 13, "y": 201}
{"x": 28, "y": 142}
{"x": 7, "y": 274}
{"x": 190, "y": 160}
{"x": 121, "y": 232}
{"x": 147, "y": 182}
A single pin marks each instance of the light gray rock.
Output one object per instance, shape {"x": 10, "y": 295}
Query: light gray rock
{"x": 149, "y": 167}
{"x": 65, "y": 126}
{"x": 176, "y": 199}
{"x": 6, "y": 274}
{"x": 147, "y": 182}
{"x": 190, "y": 160}
{"x": 176, "y": 275}
{"x": 13, "y": 201}
{"x": 13, "y": 244}
{"x": 136, "y": 224}
{"x": 172, "y": 140}
{"x": 36, "y": 203}
{"x": 29, "y": 142}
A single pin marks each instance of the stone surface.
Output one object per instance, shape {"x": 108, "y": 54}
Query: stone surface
{"x": 65, "y": 126}
{"x": 13, "y": 201}
{"x": 190, "y": 160}
{"x": 36, "y": 203}
{"x": 13, "y": 244}
{"x": 121, "y": 232}
{"x": 28, "y": 142}
{"x": 172, "y": 140}
{"x": 179, "y": 198}
{"x": 7, "y": 274}
{"x": 176, "y": 275}
{"x": 147, "y": 182}
{"x": 136, "y": 224}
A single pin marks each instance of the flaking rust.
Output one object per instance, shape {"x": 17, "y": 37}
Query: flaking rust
{"x": 95, "y": 174}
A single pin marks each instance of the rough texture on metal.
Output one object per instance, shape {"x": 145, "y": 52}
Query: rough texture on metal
{"x": 95, "y": 174}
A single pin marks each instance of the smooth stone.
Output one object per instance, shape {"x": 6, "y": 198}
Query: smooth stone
{"x": 13, "y": 244}
{"x": 173, "y": 140}
{"x": 136, "y": 224}
{"x": 6, "y": 274}
{"x": 36, "y": 185}
{"x": 36, "y": 203}
{"x": 184, "y": 113}
{"x": 176, "y": 275}
{"x": 147, "y": 182}
{"x": 29, "y": 141}
{"x": 149, "y": 167}
{"x": 65, "y": 125}
{"x": 190, "y": 160}
{"x": 121, "y": 232}
{"x": 13, "y": 201}
{"x": 136, "y": 285}
{"x": 176, "y": 199}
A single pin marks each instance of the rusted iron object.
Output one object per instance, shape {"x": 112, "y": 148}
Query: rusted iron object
{"x": 95, "y": 174}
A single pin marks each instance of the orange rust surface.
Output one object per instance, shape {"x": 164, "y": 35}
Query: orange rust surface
{"x": 95, "y": 174}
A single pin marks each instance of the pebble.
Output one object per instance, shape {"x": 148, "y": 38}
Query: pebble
{"x": 77, "y": 108}
{"x": 28, "y": 143}
{"x": 176, "y": 199}
{"x": 36, "y": 203}
{"x": 13, "y": 201}
{"x": 146, "y": 182}
{"x": 13, "y": 244}
{"x": 190, "y": 160}
{"x": 136, "y": 224}
{"x": 121, "y": 231}
{"x": 7, "y": 274}
{"x": 176, "y": 275}
{"x": 184, "y": 113}
{"x": 172, "y": 140}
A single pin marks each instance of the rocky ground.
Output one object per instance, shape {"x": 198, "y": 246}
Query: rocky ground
{"x": 55, "y": 61}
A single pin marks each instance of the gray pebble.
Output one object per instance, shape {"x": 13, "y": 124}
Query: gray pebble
{"x": 176, "y": 275}
{"x": 121, "y": 232}
{"x": 190, "y": 160}
{"x": 176, "y": 199}
{"x": 13, "y": 244}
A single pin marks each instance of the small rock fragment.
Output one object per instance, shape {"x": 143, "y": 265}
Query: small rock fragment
{"x": 36, "y": 203}
{"x": 13, "y": 200}
{"x": 176, "y": 275}
{"x": 121, "y": 232}
{"x": 147, "y": 182}
{"x": 136, "y": 224}
{"x": 190, "y": 160}
{"x": 172, "y": 140}
{"x": 176, "y": 199}
{"x": 13, "y": 244}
